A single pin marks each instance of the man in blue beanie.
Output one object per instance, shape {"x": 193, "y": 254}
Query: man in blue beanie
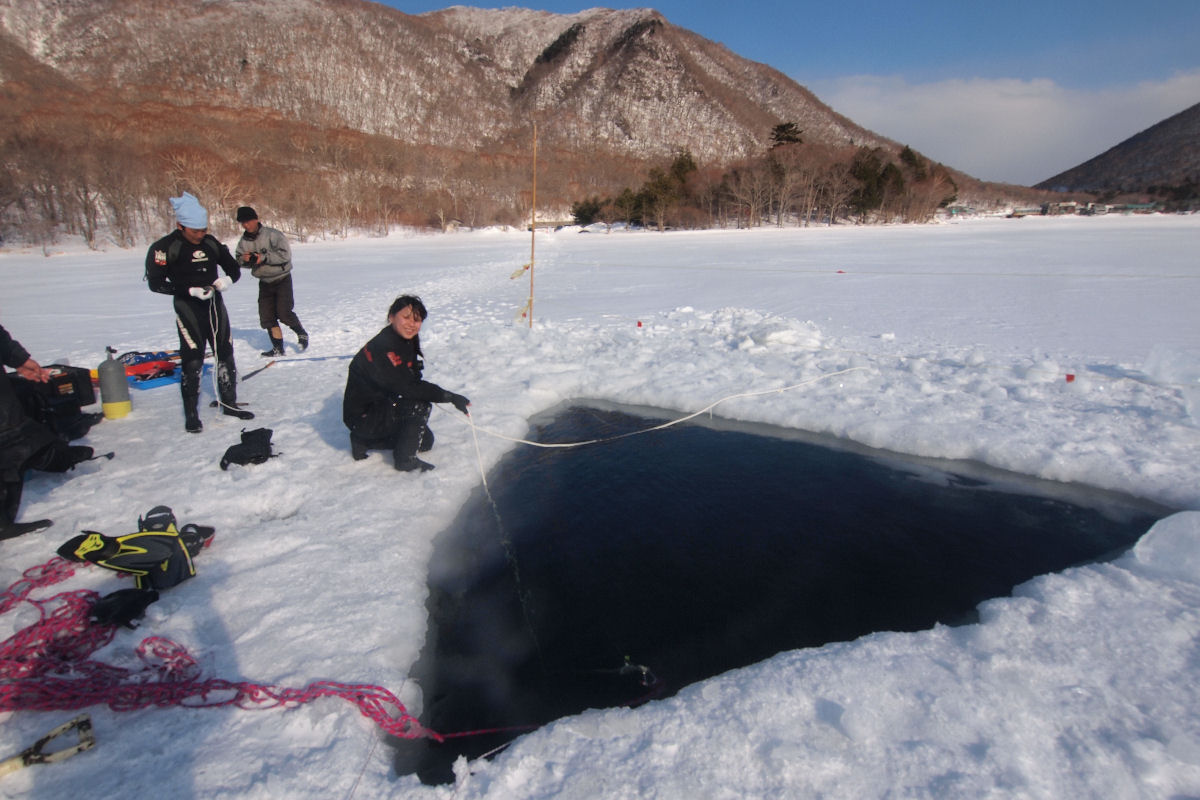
{"x": 186, "y": 264}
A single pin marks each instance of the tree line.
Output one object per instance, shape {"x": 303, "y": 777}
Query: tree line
{"x": 794, "y": 182}
{"x": 104, "y": 171}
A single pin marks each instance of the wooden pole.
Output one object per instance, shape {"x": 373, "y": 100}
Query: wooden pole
{"x": 533, "y": 225}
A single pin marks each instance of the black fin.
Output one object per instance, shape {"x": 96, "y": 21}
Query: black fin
{"x": 12, "y": 530}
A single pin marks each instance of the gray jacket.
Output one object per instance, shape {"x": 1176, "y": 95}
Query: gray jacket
{"x": 274, "y": 253}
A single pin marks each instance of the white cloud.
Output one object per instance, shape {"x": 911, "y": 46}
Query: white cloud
{"x": 1013, "y": 130}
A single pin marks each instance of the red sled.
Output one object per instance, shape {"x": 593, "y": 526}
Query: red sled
{"x": 145, "y": 370}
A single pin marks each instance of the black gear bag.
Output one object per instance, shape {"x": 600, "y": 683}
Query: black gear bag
{"x": 255, "y": 448}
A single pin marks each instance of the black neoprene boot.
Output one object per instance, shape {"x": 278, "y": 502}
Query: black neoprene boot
{"x": 59, "y": 457}
{"x": 189, "y": 387}
{"x": 413, "y": 464}
{"x": 227, "y": 389}
{"x": 10, "y": 497}
{"x": 411, "y": 439}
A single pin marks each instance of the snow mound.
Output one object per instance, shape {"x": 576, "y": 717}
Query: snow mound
{"x": 1170, "y": 549}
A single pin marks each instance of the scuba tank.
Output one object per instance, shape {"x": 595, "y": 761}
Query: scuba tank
{"x": 114, "y": 389}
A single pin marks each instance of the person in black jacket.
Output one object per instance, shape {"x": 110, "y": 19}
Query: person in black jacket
{"x": 187, "y": 264}
{"x": 386, "y": 405}
{"x": 25, "y": 443}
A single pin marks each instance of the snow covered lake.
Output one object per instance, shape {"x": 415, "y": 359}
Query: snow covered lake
{"x": 1064, "y": 349}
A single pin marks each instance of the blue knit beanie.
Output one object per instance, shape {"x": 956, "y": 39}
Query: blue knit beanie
{"x": 189, "y": 212}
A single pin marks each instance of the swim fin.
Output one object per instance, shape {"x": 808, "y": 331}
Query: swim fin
{"x": 11, "y": 530}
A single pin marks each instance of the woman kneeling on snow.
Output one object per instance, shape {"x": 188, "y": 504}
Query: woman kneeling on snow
{"x": 387, "y": 405}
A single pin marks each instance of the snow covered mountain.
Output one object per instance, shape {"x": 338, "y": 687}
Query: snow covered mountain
{"x": 624, "y": 81}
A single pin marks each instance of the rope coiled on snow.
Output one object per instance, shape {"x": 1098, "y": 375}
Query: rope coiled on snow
{"x": 48, "y": 666}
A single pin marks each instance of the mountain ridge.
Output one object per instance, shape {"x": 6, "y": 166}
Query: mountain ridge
{"x": 340, "y": 114}
{"x": 630, "y": 80}
{"x": 1167, "y": 154}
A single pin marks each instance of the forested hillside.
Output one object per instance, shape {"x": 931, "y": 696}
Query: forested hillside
{"x": 330, "y": 115}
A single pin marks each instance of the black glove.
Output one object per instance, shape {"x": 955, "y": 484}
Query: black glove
{"x": 122, "y": 607}
{"x": 253, "y": 259}
{"x": 459, "y": 402}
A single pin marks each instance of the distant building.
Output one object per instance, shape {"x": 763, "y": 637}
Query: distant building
{"x": 1136, "y": 208}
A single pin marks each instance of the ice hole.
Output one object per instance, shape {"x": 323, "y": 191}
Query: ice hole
{"x": 619, "y": 572}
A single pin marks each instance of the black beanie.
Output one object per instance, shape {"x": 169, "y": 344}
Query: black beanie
{"x": 245, "y": 214}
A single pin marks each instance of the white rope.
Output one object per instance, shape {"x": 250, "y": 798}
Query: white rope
{"x": 213, "y": 327}
{"x": 510, "y": 552}
{"x": 710, "y": 407}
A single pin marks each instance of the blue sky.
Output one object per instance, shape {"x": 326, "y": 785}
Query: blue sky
{"x": 1010, "y": 91}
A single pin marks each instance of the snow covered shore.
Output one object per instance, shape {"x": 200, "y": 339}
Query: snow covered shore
{"x": 1064, "y": 348}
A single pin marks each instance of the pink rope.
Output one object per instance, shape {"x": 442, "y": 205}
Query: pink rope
{"x": 48, "y": 667}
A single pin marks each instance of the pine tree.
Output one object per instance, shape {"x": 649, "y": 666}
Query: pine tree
{"x": 785, "y": 133}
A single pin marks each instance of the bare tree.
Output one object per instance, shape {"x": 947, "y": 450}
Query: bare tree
{"x": 749, "y": 186}
{"x": 836, "y": 185}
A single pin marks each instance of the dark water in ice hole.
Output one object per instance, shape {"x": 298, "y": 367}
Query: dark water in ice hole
{"x": 708, "y": 546}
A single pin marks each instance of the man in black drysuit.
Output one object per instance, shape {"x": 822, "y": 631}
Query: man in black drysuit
{"x": 187, "y": 264}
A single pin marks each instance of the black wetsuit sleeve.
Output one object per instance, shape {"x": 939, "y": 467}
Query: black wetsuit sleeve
{"x": 11, "y": 351}
{"x": 158, "y": 274}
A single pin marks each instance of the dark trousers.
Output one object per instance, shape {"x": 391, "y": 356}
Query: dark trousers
{"x": 275, "y": 304}
{"x": 52, "y": 455}
{"x": 400, "y": 427}
{"x": 11, "y": 487}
